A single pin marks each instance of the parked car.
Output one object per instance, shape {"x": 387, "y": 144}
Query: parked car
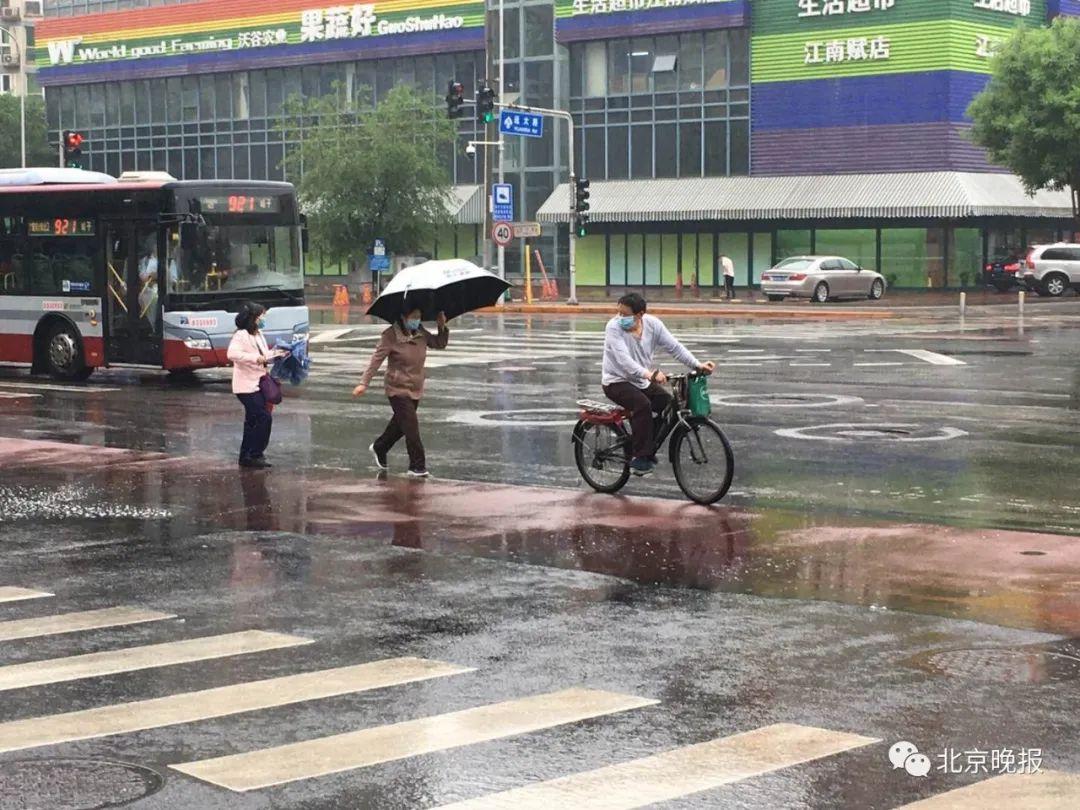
{"x": 1052, "y": 269}
{"x": 821, "y": 278}
{"x": 1004, "y": 271}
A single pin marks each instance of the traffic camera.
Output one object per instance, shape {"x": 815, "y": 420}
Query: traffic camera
{"x": 71, "y": 149}
{"x": 470, "y": 151}
{"x": 455, "y": 98}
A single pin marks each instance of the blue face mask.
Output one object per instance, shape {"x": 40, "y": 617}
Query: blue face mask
{"x": 261, "y": 323}
{"x": 627, "y": 322}
{"x": 412, "y": 324}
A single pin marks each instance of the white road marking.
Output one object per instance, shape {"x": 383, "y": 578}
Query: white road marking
{"x": 933, "y": 358}
{"x": 329, "y": 336}
{"x": 131, "y": 659}
{"x": 877, "y": 364}
{"x": 371, "y": 746}
{"x": 20, "y": 396}
{"x": 809, "y": 365}
{"x": 1045, "y": 790}
{"x": 12, "y": 594}
{"x": 77, "y": 622}
{"x": 223, "y": 701}
{"x": 677, "y": 773}
{"x": 67, "y": 389}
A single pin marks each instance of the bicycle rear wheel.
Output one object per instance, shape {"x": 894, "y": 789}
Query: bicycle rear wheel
{"x": 703, "y": 461}
{"x": 602, "y": 455}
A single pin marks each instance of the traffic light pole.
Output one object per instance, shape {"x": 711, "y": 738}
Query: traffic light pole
{"x": 569, "y": 119}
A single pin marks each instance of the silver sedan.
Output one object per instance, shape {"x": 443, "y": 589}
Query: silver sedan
{"x": 821, "y": 278}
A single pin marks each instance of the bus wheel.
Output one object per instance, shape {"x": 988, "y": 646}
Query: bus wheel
{"x": 64, "y": 355}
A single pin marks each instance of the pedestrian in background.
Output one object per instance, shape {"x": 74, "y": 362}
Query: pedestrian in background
{"x": 250, "y": 356}
{"x": 728, "y": 268}
{"x": 405, "y": 344}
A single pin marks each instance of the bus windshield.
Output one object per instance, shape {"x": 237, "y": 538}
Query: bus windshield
{"x": 237, "y": 258}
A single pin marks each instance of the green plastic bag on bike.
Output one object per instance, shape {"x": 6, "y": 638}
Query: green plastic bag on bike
{"x": 698, "y": 397}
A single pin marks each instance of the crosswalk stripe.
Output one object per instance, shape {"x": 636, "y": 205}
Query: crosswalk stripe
{"x": 1045, "y": 790}
{"x": 223, "y": 701}
{"x": 371, "y": 746}
{"x": 11, "y": 594}
{"x": 676, "y": 773}
{"x": 75, "y": 622}
{"x": 130, "y": 659}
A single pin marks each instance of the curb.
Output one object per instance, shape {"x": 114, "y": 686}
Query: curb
{"x": 688, "y": 312}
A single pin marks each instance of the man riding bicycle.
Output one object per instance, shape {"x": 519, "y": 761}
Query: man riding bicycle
{"x": 630, "y": 340}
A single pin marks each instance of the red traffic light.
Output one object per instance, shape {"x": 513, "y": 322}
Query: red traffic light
{"x": 74, "y": 140}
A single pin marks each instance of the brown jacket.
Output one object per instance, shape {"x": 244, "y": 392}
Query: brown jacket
{"x": 407, "y": 353}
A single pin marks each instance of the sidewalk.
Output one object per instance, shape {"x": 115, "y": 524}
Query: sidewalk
{"x": 752, "y": 304}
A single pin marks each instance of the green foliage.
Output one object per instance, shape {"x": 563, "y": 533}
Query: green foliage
{"x": 38, "y": 151}
{"x": 381, "y": 173}
{"x": 1028, "y": 117}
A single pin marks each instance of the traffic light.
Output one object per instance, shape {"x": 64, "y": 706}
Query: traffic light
{"x": 455, "y": 98}
{"x": 485, "y": 103}
{"x": 71, "y": 149}
{"x": 581, "y": 206}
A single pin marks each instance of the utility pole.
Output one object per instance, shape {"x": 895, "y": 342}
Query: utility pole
{"x": 489, "y": 70}
{"x": 502, "y": 94}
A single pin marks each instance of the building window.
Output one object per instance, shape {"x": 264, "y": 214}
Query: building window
{"x": 685, "y": 98}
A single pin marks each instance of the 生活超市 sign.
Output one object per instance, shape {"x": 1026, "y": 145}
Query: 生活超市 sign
{"x": 240, "y": 25}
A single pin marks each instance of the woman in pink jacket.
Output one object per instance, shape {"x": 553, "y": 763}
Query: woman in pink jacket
{"x": 250, "y": 357}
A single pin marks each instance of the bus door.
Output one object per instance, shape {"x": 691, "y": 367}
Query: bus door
{"x": 133, "y": 304}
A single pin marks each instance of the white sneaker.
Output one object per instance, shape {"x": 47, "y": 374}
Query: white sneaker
{"x": 418, "y": 473}
{"x": 380, "y": 461}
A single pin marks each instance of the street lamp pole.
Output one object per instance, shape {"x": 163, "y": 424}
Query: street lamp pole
{"x": 22, "y": 94}
{"x": 501, "y": 253}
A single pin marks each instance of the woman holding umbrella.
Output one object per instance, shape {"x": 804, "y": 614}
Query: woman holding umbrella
{"x": 405, "y": 344}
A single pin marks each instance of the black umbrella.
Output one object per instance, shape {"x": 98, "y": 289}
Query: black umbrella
{"x": 453, "y": 286}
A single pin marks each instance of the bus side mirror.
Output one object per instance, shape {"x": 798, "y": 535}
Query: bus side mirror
{"x": 189, "y": 236}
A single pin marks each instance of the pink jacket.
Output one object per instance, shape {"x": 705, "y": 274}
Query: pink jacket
{"x": 247, "y": 353}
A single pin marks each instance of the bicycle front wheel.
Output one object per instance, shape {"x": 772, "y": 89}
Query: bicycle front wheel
{"x": 703, "y": 461}
{"x": 602, "y": 455}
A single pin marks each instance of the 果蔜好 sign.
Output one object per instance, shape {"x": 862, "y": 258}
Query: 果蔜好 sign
{"x": 213, "y": 27}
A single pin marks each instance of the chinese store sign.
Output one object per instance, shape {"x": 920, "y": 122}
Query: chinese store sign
{"x": 858, "y": 49}
{"x": 824, "y": 8}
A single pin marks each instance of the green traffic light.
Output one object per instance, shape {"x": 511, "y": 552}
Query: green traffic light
{"x": 489, "y": 117}
{"x": 581, "y": 231}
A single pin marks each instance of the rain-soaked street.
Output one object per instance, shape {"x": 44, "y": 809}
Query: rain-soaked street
{"x": 897, "y": 561}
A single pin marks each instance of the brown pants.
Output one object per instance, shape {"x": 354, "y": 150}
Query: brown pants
{"x": 641, "y": 403}
{"x": 404, "y": 423}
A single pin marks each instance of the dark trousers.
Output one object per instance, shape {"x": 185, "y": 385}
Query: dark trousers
{"x": 729, "y": 286}
{"x": 641, "y": 403}
{"x": 257, "y": 425}
{"x": 404, "y": 423}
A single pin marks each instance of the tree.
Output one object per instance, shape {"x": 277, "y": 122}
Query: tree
{"x": 38, "y": 151}
{"x": 370, "y": 174}
{"x": 1028, "y": 117}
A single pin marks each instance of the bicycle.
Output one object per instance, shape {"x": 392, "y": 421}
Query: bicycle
{"x": 698, "y": 447}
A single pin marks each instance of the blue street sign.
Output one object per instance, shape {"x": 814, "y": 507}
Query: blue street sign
{"x": 502, "y": 202}
{"x": 514, "y": 122}
{"x": 377, "y": 263}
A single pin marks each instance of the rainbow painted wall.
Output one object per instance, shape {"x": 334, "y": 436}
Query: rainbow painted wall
{"x": 873, "y": 85}
{"x": 224, "y": 35}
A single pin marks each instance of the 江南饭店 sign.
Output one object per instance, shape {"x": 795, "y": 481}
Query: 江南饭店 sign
{"x": 207, "y": 27}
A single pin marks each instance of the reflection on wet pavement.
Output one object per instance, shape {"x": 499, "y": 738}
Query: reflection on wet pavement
{"x": 1025, "y": 580}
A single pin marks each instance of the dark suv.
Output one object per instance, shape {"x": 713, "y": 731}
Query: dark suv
{"x": 1005, "y": 271}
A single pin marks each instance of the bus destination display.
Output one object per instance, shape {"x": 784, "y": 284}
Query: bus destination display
{"x": 240, "y": 204}
{"x": 61, "y": 227}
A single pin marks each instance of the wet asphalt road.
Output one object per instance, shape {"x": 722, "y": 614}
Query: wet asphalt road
{"x": 896, "y": 560}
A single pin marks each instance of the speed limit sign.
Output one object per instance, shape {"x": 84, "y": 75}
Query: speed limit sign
{"x": 502, "y": 233}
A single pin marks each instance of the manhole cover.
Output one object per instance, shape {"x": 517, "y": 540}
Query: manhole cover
{"x": 533, "y": 417}
{"x": 784, "y": 400}
{"x": 1001, "y": 665}
{"x": 73, "y": 784}
{"x": 846, "y": 431}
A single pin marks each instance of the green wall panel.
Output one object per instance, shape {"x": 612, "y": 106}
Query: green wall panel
{"x": 591, "y": 260}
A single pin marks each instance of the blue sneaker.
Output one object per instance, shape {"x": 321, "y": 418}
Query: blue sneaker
{"x": 642, "y": 467}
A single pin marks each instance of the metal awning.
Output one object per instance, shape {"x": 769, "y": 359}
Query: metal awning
{"x": 467, "y": 205}
{"x": 848, "y": 196}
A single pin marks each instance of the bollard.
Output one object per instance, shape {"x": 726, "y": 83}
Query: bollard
{"x": 1021, "y": 301}
{"x": 528, "y": 275}
{"x": 963, "y": 304}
